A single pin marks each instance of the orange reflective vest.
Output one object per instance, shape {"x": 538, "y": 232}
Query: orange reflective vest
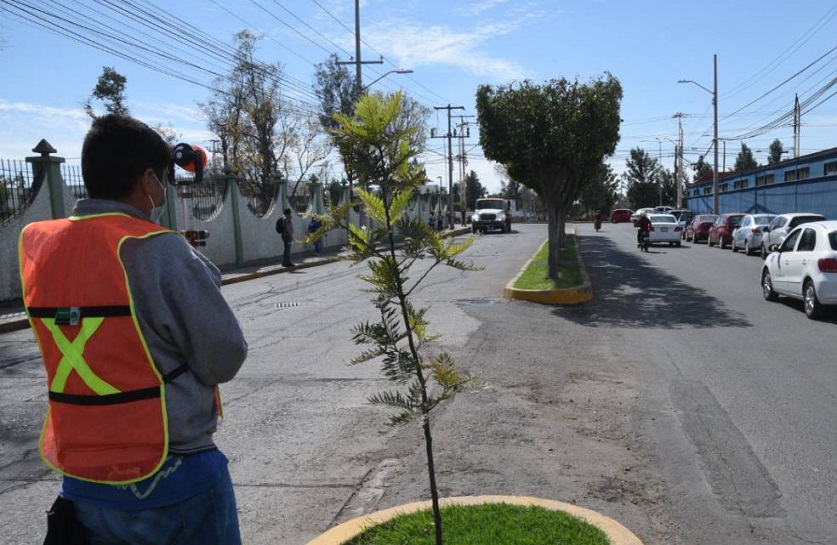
{"x": 106, "y": 420}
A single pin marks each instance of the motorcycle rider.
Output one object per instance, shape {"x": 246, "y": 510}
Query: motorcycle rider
{"x": 597, "y": 220}
{"x": 643, "y": 224}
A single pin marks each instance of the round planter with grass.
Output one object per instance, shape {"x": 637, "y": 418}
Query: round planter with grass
{"x": 575, "y": 525}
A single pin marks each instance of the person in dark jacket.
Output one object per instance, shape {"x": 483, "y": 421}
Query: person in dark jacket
{"x": 643, "y": 224}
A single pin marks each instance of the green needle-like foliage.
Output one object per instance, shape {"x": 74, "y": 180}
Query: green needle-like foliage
{"x": 375, "y": 146}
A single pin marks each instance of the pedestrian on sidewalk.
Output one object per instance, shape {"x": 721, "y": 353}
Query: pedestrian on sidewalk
{"x": 133, "y": 398}
{"x": 287, "y": 237}
{"x": 313, "y": 226}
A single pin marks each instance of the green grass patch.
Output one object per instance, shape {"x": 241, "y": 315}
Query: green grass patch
{"x": 496, "y": 524}
{"x": 569, "y": 273}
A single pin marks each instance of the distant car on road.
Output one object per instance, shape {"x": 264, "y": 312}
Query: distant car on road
{"x": 748, "y": 235}
{"x": 620, "y": 215}
{"x": 698, "y": 228}
{"x": 781, "y": 225}
{"x": 664, "y": 228}
{"x": 721, "y": 231}
{"x": 804, "y": 267}
{"x": 635, "y": 216}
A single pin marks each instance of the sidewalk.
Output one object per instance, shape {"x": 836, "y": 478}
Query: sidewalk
{"x": 13, "y": 317}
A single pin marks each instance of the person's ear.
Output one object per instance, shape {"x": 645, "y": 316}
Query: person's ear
{"x": 148, "y": 181}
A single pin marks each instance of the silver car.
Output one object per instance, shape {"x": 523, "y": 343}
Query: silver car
{"x": 780, "y": 226}
{"x": 748, "y": 235}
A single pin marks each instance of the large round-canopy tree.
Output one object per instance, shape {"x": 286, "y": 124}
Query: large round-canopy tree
{"x": 551, "y": 138}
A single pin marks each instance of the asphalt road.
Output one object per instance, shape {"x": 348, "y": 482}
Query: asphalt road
{"x": 677, "y": 402}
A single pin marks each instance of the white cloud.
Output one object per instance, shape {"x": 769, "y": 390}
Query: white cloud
{"x": 415, "y": 45}
{"x": 480, "y": 7}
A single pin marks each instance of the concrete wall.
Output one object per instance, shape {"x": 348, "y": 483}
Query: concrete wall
{"x": 236, "y": 235}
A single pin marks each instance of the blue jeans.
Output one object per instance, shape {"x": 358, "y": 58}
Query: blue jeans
{"x": 286, "y": 256}
{"x": 210, "y": 518}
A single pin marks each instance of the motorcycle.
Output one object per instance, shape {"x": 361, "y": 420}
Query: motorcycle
{"x": 597, "y": 224}
{"x": 644, "y": 241}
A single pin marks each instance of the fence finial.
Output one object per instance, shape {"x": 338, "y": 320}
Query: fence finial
{"x": 44, "y": 147}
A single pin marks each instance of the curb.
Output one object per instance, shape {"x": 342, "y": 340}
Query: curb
{"x": 616, "y": 533}
{"x": 566, "y": 296}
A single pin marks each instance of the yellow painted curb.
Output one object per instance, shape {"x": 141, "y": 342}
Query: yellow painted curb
{"x": 616, "y": 533}
{"x": 568, "y": 296}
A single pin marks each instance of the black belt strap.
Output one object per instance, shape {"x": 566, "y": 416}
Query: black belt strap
{"x": 121, "y": 397}
{"x": 86, "y": 312}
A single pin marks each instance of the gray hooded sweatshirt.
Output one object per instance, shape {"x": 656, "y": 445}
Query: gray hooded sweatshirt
{"x": 184, "y": 319}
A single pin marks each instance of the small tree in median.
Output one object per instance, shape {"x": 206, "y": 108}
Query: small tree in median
{"x": 376, "y": 145}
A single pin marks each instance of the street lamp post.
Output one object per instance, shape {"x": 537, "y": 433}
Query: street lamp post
{"x": 714, "y": 94}
{"x": 399, "y": 71}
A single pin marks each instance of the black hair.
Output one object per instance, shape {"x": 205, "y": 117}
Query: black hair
{"x": 116, "y": 151}
{"x": 287, "y": 211}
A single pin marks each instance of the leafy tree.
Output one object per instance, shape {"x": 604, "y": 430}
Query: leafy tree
{"x": 641, "y": 174}
{"x": 244, "y": 113}
{"x": 473, "y": 190}
{"x": 109, "y": 89}
{"x": 776, "y": 151}
{"x": 336, "y": 89}
{"x": 551, "y": 138}
{"x": 701, "y": 168}
{"x": 600, "y": 194}
{"x": 376, "y": 146}
{"x": 745, "y": 160}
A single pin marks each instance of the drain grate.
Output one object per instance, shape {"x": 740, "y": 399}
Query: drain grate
{"x": 286, "y": 304}
{"x": 476, "y": 301}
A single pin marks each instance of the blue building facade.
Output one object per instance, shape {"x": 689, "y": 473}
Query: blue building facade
{"x": 804, "y": 184}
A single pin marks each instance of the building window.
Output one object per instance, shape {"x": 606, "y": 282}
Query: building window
{"x": 723, "y": 187}
{"x": 765, "y": 179}
{"x": 707, "y": 190}
{"x": 741, "y": 184}
{"x": 790, "y": 175}
{"x": 803, "y": 173}
{"x": 830, "y": 168}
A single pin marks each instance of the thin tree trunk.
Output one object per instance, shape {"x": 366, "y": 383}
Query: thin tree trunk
{"x": 553, "y": 241}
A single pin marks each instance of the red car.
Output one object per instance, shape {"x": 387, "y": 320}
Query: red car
{"x": 721, "y": 231}
{"x": 698, "y": 229}
{"x": 620, "y": 215}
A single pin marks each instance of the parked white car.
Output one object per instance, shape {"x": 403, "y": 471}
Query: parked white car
{"x": 664, "y": 228}
{"x": 748, "y": 235}
{"x": 781, "y": 225}
{"x": 804, "y": 267}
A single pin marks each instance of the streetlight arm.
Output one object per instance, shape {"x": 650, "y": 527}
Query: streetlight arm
{"x": 400, "y": 71}
{"x": 696, "y": 83}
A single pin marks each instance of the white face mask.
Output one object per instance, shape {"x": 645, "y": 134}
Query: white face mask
{"x": 157, "y": 211}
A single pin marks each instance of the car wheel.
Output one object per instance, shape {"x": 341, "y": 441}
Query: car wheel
{"x": 734, "y": 247}
{"x": 747, "y": 250}
{"x": 767, "y": 287}
{"x": 813, "y": 307}
{"x": 709, "y": 242}
{"x": 677, "y": 244}
{"x": 721, "y": 244}
{"x": 763, "y": 252}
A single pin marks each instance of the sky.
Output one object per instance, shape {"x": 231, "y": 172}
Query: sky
{"x": 768, "y": 52}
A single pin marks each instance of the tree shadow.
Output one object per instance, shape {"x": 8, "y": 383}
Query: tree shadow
{"x": 628, "y": 291}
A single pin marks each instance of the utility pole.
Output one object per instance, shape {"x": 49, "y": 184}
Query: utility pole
{"x": 463, "y": 133}
{"x": 715, "y": 205}
{"x": 449, "y": 136}
{"x": 797, "y": 125}
{"x": 357, "y": 60}
{"x": 678, "y": 158}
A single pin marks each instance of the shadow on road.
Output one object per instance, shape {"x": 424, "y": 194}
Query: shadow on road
{"x": 628, "y": 291}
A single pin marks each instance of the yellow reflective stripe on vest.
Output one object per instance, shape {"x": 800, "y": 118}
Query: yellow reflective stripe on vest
{"x": 73, "y": 358}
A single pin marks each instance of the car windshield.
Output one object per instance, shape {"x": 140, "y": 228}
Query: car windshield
{"x": 662, "y": 218}
{"x": 762, "y": 220}
{"x": 799, "y": 220}
{"x": 498, "y": 204}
